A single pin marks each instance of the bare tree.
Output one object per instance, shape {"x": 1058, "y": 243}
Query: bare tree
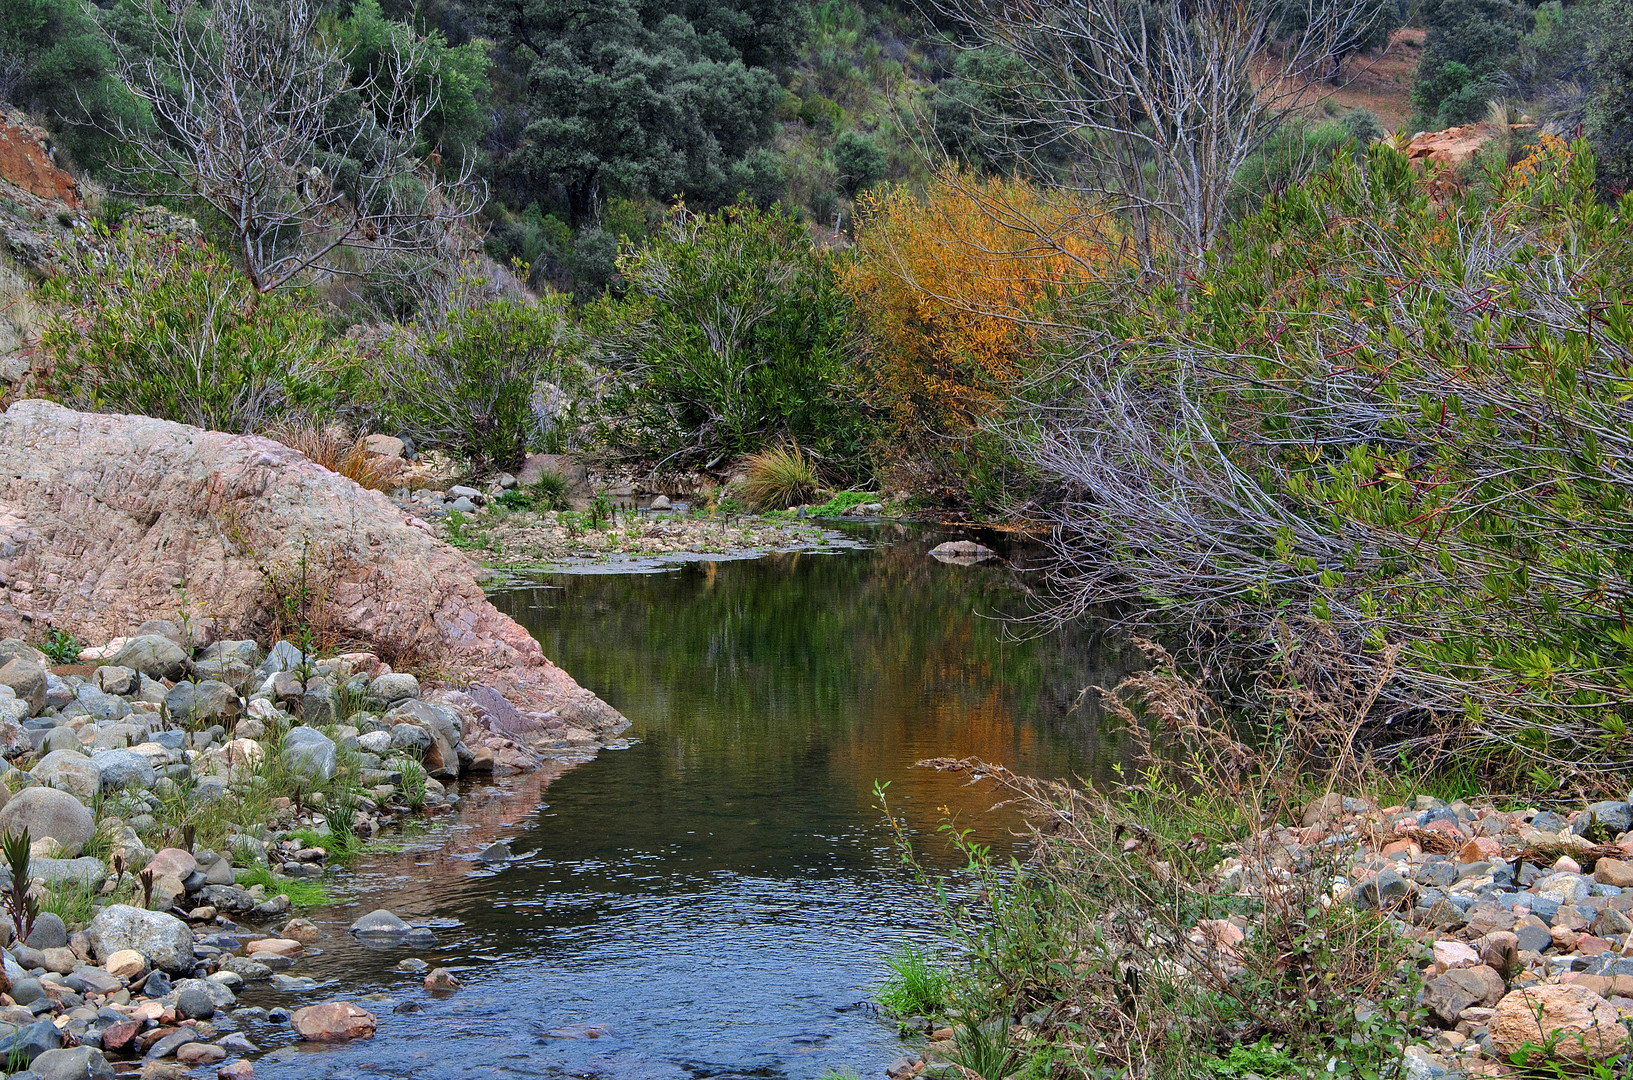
{"x": 1156, "y": 104}
{"x": 256, "y": 115}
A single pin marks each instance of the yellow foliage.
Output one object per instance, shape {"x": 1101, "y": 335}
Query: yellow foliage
{"x": 956, "y": 287}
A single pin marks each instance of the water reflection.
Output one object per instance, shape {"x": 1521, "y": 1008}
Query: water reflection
{"x": 714, "y": 901}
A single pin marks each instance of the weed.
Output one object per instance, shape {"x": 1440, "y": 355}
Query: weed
{"x": 780, "y": 478}
{"x": 72, "y": 902}
{"x": 1262, "y": 1058}
{"x": 20, "y": 905}
{"x": 916, "y": 987}
{"x": 984, "y": 1049}
{"x": 413, "y": 785}
{"x": 457, "y": 524}
{"x": 60, "y": 646}
{"x": 514, "y": 500}
{"x": 601, "y": 510}
{"x": 334, "y": 448}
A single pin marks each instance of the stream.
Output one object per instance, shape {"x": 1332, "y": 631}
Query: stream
{"x": 718, "y": 899}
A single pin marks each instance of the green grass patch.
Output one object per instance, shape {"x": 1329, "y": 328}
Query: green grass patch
{"x": 916, "y": 987}
{"x": 302, "y": 892}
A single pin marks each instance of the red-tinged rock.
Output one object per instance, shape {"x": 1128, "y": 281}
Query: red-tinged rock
{"x": 333, "y": 1021}
{"x": 276, "y": 946}
{"x": 236, "y": 1070}
{"x": 441, "y": 979}
{"x": 1589, "y": 945}
{"x": 25, "y": 161}
{"x": 116, "y": 1039}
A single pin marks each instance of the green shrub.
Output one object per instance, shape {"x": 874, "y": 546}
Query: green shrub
{"x": 732, "y": 336}
{"x": 550, "y": 491}
{"x": 487, "y": 376}
{"x": 167, "y": 327}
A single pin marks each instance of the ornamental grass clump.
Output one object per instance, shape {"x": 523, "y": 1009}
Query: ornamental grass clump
{"x": 780, "y": 478}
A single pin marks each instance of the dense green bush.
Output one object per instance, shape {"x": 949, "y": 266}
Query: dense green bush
{"x": 1393, "y": 461}
{"x": 1470, "y": 45}
{"x": 1610, "y": 108}
{"x": 731, "y": 336}
{"x": 487, "y": 376}
{"x": 168, "y": 327}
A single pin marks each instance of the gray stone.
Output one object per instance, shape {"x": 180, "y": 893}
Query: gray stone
{"x": 394, "y": 687}
{"x": 1385, "y": 890}
{"x": 1533, "y": 937}
{"x": 193, "y": 1001}
{"x": 661, "y": 502}
{"x": 1563, "y": 888}
{"x": 154, "y": 656}
{"x": 27, "y": 681}
{"x": 27, "y": 991}
{"x": 460, "y": 491}
{"x": 60, "y": 738}
{"x": 70, "y": 771}
{"x": 282, "y": 657}
{"x": 380, "y": 923}
{"x": 34, "y": 1041}
{"x": 1446, "y": 996}
{"x": 120, "y": 769}
{"x": 442, "y": 755}
{"x": 44, "y": 812}
{"x": 245, "y": 968}
{"x": 1611, "y": 923}
{"x": 119, "y": 681}
{"x": 201, "y": 702}
{"x": 1548, "y": 822}
{"x": 166, "y": 629}
{"x": 375, "y": 742}
{"x": 310, "y": 752}
{"x": 151, "y": 691}
{"x": 164, "y": 939}
{"x": 157, "y": 985}
{"x": 1435, "y": 872}
{"x": 320, "y": 703}
{"x": 463, "y": 505}
{"x": 77, "y": 1063}
{"x": 99, "y": 705}
{"x": 1613, "y": 818}
{"x": 49, "y": 932}
{"x": 244, "y": 651}
{"x": 496, "y": 852}
{"x": 85, "y": 871}
{"x": 410, "y": 737}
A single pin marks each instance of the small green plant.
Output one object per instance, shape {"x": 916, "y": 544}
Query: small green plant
{"x": 60, "y": 646}
{"x": 514, "y": 500}
{"x": 779, "y": 478}
{"x": 550, "y": 491}
{"x": 601, "y": 510}
{"x": 413, "y": 785}
{"x": 73, "y": 902}
{"x": 20, "y": 904}
{"x": 460, "y": 534}
{"x": 916, "y": 987}
{"x": 1262, "y": 1059}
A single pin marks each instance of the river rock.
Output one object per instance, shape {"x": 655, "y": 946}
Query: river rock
{"x": 99, "y": 705}
{"x": 47, "y": 812}
{"x": 395, "y": 687}
{"x": 1563, "y": 888}
{"x": 410, "y": 737}
{"x": 1448, "y": 995}
{"x": 442, "y": 756}
{"x": 137, "y": 490}
{"x": 120, "y": 769}
{"x": 1588, "y": 1027}
{"x": 441, "y": 980}
{"x": 154, "y": 656}
{"x": 70, "y": 771}
{"x": 27, "y": 681}
{"x": 78, "y": 1063}
{"x": 84, "y": 872}
{"x": 49, "y": 930}
{"x": 380, "y": 924}
{"x": 333, "y": 1021}
{"x": 961, "y": 550}
{"x": 119, "y": 681}
{"x": 164, "y": 939}
{"x": 34, "y": 1041}
{"x": 194, "y": 1002}
{"x": 310, "y": 752}
{"x": 236, "y": 1070}
{"x": 174, "y": 862}
{"x": 202, "y": 702}
{"x": 127, "y": 964}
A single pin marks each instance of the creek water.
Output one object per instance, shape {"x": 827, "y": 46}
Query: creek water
{"x": 718, "y": 899}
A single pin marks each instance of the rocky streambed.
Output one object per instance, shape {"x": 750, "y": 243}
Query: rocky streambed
{"x": 175, "y": 794}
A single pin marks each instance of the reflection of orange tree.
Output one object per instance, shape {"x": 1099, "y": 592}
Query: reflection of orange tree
{"x": 958, "y": 285}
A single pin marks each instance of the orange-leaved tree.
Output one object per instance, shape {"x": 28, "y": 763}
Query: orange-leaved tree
{"x": 958, "y": 286}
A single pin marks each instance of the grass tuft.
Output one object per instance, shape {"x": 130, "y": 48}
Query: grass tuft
{"x": 916, "y": 987}
{"x": 302, "y": 893}
{"x": 780, "y": 478}
{"x": 334, "y": 448}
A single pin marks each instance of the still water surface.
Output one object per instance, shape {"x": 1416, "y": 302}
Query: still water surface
{"x": 716, "y": 900}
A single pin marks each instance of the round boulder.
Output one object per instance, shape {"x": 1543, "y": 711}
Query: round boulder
{"x": 78, "y": 1063}
{"x": 380, "y": 925}
{"x": 47, "y": 812}
{"x": 164, "y": 939}
{"x": 395, "y": 687}
{"x": 154, "y": 656}
{"x": 120, "y": 769}
{"x": 310, "y": 752}
{"x": 333, "y": 1021}
{"x": 70, "y": 771}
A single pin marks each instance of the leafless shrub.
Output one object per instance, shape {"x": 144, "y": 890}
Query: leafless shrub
{"x": 1156, "y": 106}
{"x": 256, "y": 116}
